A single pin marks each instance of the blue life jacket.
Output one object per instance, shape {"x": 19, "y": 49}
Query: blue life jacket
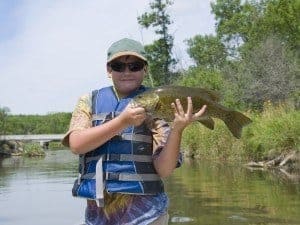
{"x": 124, "y": 163}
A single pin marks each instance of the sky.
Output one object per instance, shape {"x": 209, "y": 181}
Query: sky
{"x": 54, "y": 51}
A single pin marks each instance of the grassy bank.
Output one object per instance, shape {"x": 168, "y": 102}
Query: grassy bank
{"x": 33, "y": 150}
{"x": 273, "y": 131}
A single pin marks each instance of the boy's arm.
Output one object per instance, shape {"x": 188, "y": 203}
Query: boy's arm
{"x": 82, "y": 137}
{"x": 166, "y": 161}
{"x": 83, "y": 141}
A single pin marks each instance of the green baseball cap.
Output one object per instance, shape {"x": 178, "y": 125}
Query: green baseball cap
{"x": 126, "y": 46}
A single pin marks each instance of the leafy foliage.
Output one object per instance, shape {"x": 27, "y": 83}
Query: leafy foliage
{"x": 281, "y": 19}
{"x": 277, "y": 128}
{"x": 55, "y": 123}
{"x": 159, "y": 53}
{"x": 207, "y": 51}
{"x": 267, "y": 73}
{"x": 243, "y": 24}
{"x": 199, "y": 77}
{"x": 256, "y": 48}
{"x": 231, "y": 24}
{"x": 33, "y": 150}
{"x": 216, "y": 144}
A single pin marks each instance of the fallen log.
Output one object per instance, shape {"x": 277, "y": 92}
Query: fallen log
{"x": 287, "y": 164}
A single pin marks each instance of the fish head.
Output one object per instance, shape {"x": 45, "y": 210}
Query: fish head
{"x": 148, "y": 100}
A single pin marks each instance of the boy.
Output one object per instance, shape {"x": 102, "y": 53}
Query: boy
{"x": 122, "y": 160}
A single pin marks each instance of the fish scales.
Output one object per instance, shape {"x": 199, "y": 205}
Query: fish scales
{"x": 157, "y": 102}
{"x": 167, "y": 95}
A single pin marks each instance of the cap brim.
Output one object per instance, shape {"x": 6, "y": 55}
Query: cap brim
{"x": 119, "y": 54}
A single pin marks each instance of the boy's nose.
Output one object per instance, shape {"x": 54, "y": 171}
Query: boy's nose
{"x": 127, "y": 71}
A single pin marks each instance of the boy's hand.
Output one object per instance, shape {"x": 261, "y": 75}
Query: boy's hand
{"x": 133, "y": 115}
{"x": 183, "y": 119}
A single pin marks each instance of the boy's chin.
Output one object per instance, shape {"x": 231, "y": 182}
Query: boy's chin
{"x": 127, "y": 89}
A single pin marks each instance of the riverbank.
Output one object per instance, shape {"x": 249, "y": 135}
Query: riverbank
{"x": 9, "y": 148}
{"x": 273, "y": 135}
{"x": 271, "y": 142}
{"x": 273, "y": 132}
{"x": 29, "y": 149}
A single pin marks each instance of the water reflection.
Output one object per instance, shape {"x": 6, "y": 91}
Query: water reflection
{"x": 38, "y": 191}
{"x": 211, "y": 193}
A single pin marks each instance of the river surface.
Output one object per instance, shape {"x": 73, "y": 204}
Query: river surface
{"x": 38, "y": 192}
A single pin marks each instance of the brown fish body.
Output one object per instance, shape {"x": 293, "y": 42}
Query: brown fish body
{"x": 199, "y": 96}
{"x": 157, "y": 102}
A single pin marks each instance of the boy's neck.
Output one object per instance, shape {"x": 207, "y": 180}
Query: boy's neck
{"x": 119, "y": 95}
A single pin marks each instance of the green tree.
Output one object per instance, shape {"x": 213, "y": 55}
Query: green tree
{"x": 200, "y": 77}
{"x": 267, "y": 73}
{"x": 281, "y": 18}
{"x": 160, "y": 52}
{"x": 230, "y": 23}
{"x": 207, "y": 51}
{"x": 262, "y": 37}
{"x": 54, "y": 123}
{"x": 212, "y": 80}
{"x": 248, "y": 23}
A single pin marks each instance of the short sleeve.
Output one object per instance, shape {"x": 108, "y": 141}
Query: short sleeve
{"x": 160, "y": 132}
{"x": 81, "y": 117}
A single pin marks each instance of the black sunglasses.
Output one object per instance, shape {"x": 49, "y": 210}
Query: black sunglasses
{"x": 133, "y": 67}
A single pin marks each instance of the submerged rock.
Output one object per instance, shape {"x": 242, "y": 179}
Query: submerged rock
{"x": 8, "y": 148}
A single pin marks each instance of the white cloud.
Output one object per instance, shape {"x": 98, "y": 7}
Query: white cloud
{"x": 59, "y": 49}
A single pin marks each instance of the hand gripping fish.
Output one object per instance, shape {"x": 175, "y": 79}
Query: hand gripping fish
{"x": 157, "y": 103}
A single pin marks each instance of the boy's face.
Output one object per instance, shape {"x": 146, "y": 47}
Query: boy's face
{"x": 126, "y": 77}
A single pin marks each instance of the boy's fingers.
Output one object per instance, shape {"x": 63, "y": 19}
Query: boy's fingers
{"x": 140, "y": 110}
{"x": 174, "y": 107}
{"x": 189, "y": 106}
{"x": 200, "y": 112}
{"x": 179, "y": 107}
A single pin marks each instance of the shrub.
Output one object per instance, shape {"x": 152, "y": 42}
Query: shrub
{"x": 200, "y": 142}
{"x": 277, "y": 128}
{"x": 33, "y": 149}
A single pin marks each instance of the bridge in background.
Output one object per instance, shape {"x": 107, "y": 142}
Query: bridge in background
{"x": 43, "y": 139}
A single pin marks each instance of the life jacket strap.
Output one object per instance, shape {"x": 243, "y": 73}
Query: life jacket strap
{"x": 129, "y": 157}
{"x": 125, "y": 177}
{"x": 105, "y": 116}
{"x": 99, "y": 183}
{"x": 81, "y": 167}
{"x": 122, "y": 157}
{"x": 133, "y": 137}
{"x": 132, "y": 177}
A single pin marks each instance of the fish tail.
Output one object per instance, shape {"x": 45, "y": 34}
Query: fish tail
{"x": 235, "y": 121}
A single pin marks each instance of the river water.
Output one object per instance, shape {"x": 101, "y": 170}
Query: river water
{"x": 38, "y": 192}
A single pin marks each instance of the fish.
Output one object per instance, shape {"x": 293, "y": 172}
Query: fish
{"x": 157, "y": 103}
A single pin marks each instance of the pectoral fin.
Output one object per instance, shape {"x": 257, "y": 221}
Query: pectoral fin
{"x": 208, "y": 122}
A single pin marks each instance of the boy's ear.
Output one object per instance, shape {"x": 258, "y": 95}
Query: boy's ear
{"x": 146, "y": 68}
{"x": 108, "y": 69}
